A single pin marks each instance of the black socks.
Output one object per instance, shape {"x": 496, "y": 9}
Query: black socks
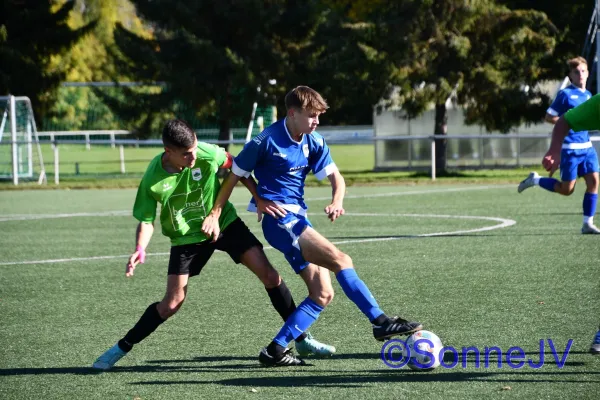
{"x": 282, "y": 301}
{"x": 147, "y": 324}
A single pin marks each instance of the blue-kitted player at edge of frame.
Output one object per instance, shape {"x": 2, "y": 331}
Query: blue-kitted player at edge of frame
{"x": 577, "y": 158}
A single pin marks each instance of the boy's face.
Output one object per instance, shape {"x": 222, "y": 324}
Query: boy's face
{"x": 304, "y": 121}
{"x": 182, "y": 157}
{"x": 579, "y": 75}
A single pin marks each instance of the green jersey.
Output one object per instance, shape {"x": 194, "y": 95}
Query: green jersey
{"x": 585, "y": 117}
{"x": 186, "y": 197}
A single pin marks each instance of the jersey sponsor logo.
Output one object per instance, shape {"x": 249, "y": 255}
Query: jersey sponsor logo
{"x": 298, "y": 168}
{"x": 167, "y": 186}
{"x": 185, "y": 208}
{"x": 305, "y": 150}
{"x": 280, "y": 155}
{"x": 196, "y": 174}
{"x": 257, "y": 140}
{"x": 574, "y": 96}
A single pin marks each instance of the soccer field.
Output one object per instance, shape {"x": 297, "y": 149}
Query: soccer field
{"x": 480, "y": 266}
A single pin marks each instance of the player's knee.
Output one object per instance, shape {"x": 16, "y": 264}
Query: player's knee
{"x": 566, "y": 190}
{"x": 323, "y": 297}
{"x": 343, "y": 260}
{"x": 339, "y": 262}
{"x": 270, "y": 278}
{"x": 168, "y": 307}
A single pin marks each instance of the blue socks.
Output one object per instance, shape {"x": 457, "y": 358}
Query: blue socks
{"x": 359, "y": 293}
{"x": 590, "y": 200}
{"x": 307, "y": 312}
{"x": 548, "y": 183}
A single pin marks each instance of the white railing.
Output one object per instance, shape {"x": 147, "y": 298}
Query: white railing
{"x": 53, "y": 135}
{"x": 429, "y": 164}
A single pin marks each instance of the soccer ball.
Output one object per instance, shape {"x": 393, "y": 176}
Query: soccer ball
{"x": 423, "y": 349}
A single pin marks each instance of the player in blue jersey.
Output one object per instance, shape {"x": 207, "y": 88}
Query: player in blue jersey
{"x": 281, "y": 158}
{"x": 586, "y": 116}
{"x": 578, "y": 157}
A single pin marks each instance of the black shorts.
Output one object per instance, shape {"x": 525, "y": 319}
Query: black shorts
{"x": 235, "y": 240}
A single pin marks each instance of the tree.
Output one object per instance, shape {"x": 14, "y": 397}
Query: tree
{"x": 78, "y": 108}
{"x": 31, "y": 34}
{"x": 487, "y": 57}
{"x": 341, "y": 63}
{"x": 572, "y": 19}
{"x": 212, "y": 56}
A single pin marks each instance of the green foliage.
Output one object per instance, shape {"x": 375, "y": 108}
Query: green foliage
{"x": 212, "y": 56}
{"x": 31, "y": 35}
{"x": 571, "y": 18}
{"x": 89, "y": 60}
{"x": 501, "y": 92}
{"x": 344, "y": 66}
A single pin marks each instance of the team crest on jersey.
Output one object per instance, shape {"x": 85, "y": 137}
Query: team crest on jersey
{"x": 305, "y": 150}
{"x": 196, "y": 174}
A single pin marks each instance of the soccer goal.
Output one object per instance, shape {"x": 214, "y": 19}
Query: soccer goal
{"x": 19, "y": 141}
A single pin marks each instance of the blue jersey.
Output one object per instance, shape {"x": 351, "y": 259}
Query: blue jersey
{"x": 568, "y": 98}
{"x": 281, "y": 165}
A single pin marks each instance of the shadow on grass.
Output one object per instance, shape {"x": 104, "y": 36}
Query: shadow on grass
{"x": 250, "y": 363}
{"x": 367, "y": 377}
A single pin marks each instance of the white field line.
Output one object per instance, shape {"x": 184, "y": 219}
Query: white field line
{"x": 503, "y": 223}
{"x": 24, "y": 217}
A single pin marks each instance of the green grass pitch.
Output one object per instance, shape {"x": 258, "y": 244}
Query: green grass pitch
{"x": 478, "y": 265}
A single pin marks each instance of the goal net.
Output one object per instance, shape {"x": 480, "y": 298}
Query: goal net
{"x": 20, "y": 152}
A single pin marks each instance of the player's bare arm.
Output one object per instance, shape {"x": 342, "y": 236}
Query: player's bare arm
{"x": 210, "y": 226}
{"x": 143, "y": 235}
{"x": 338, "y": 188}
{"x": 262, "y": 205}
{"x": 551, "y": 160}
{"x": 552, "y": 119}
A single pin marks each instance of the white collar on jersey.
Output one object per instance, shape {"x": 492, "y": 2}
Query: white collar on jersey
{"x": 288, "y": 133}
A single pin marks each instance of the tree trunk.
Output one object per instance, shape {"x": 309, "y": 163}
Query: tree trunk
{"x": 441, "y": 128}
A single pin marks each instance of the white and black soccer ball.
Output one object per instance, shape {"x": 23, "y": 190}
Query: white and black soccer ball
{"x": 423, "y": 351}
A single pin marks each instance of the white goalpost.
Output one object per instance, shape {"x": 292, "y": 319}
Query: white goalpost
{"x": 18, "y": 135}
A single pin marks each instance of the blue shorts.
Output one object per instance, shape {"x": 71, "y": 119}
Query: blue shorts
{"x": 283, "y": 233}
{"x": 576, "y": 163}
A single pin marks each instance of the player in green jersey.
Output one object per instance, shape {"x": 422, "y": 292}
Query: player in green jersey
{"x": 183, "y": 179}
{"x": 585, "y": 117}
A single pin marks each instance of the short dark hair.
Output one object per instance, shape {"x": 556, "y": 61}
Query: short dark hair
{"x": 178, "y": 133}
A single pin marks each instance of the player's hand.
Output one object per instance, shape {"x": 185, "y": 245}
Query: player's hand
{"x": 138, "y": 257}
{"x": 551, "y": 162}
{"x": 334, "y": 211}
{"x": 211, "y": 228}
{"x": 269, "y": 207}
